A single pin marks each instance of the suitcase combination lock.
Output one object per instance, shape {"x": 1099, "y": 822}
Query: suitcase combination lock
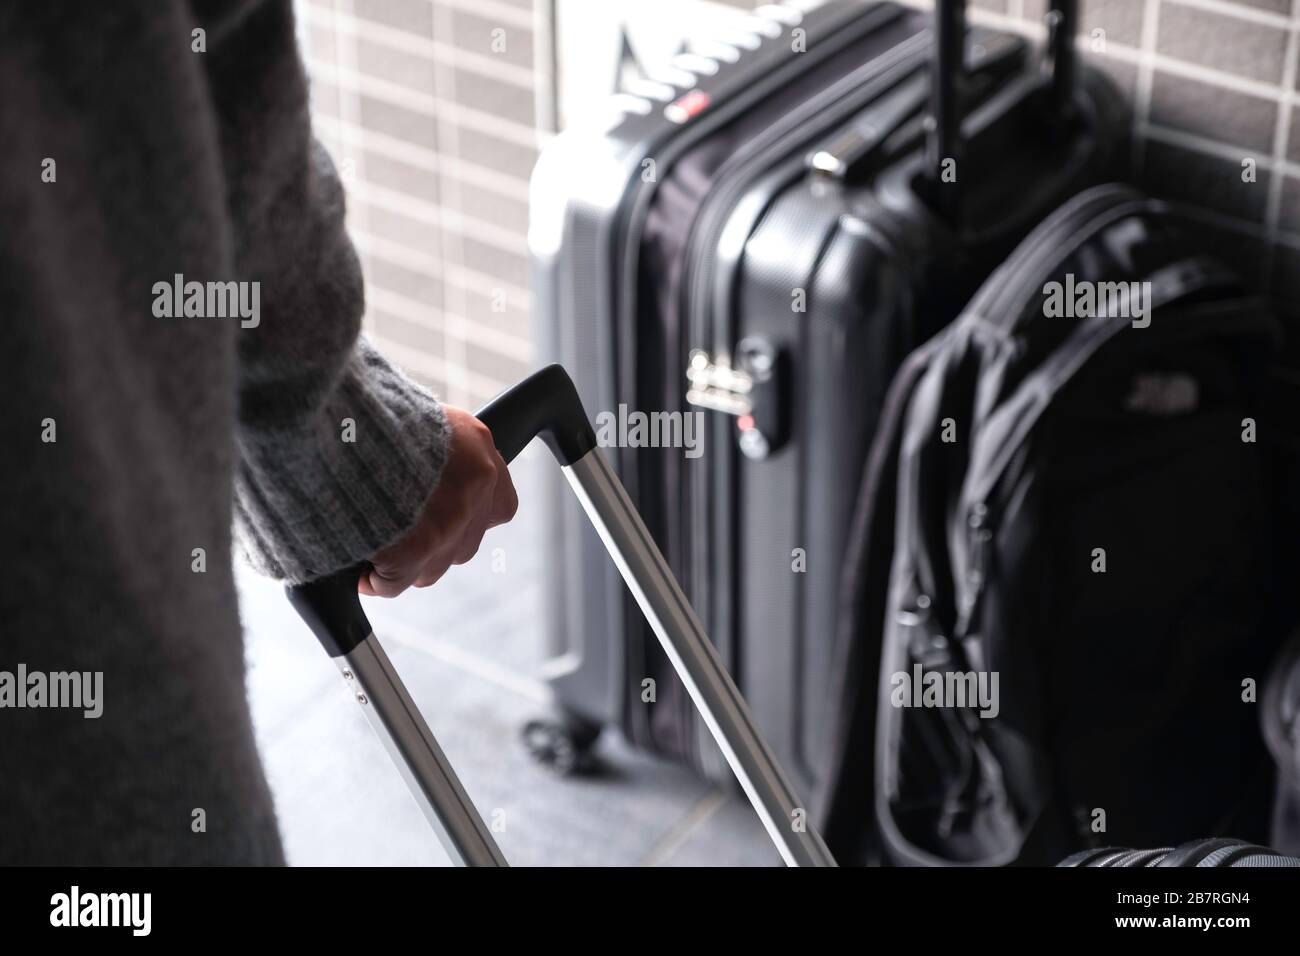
{"x": 753, "y": 391}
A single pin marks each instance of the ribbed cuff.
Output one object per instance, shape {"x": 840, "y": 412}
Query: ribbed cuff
{"x": 312, "y": 501}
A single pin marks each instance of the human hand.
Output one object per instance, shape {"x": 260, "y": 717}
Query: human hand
{"x": 473, "y": 493}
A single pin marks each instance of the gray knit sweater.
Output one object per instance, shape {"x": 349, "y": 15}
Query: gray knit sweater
{"x": 130, "y": 439}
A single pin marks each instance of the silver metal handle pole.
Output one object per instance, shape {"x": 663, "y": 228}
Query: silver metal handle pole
{"x": 428, "y": 774}
{"x": 696, "y": 661}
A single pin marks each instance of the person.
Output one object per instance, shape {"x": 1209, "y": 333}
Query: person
{"x": 156, "y": 146}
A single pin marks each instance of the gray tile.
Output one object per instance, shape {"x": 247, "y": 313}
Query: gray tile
{"x": 477, "y": 306}
{"x": 503, "y": 368}
{"x": 1122, "y": 73}
{"x": 414, "y": 181}
{"x": 732, "y": 825}
{"x": 387, "y": 224}
{"x": 398, "y": 121}
{"x": 324, "y": 98}
{"x": 475, "y": 33}
{"x": 1274, "y": 6}
{"x": 610, "y": 818}
{"x": 412, "y": 283}
{"x": 1227, "y": 43}
{"x": 478, "y": 202}
{"x": 1204, "y": 180}
{"x": 322, "y": 43}
{"x": 492, "y": 152}
{"x": 1120, "y": 19}
{"x": 412, "y": 70}
{"x": 1034, "y": 9}
{"x": 512, "y": 267}
{"x": 503, "y": 99}
{"x": 1293, "y": 137}
{"x": 413, "y": 16}
{"x": 1214, "y": 112}
{"x": 402, "y": 331}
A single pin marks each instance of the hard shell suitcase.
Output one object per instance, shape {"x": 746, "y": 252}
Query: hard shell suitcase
{"x": 766, "y": 247}
{"x": 546, "y": 405}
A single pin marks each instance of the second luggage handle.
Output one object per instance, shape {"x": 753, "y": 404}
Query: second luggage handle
{"x": 546, "y": 405}
{"x": 944, "y": 133}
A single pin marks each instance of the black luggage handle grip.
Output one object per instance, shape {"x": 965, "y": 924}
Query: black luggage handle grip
{"x": 544, "y": 405}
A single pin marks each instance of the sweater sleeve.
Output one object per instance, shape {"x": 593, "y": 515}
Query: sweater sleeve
{"x": 338, "y": 450}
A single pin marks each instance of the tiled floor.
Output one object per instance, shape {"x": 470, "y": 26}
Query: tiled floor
{"x": 467, "y": 649}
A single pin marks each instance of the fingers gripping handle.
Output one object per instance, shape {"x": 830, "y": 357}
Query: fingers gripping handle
{"x": 544, "y": 405}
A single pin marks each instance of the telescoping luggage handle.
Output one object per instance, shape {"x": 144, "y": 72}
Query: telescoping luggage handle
{"x": 943, "y": 125}
{"x": 547, "y": 405}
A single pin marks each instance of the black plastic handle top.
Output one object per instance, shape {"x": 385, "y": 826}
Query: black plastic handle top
{"x": 545, "y": 405}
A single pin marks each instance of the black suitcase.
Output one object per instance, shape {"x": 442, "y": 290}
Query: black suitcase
{"x": 766, "y": 247}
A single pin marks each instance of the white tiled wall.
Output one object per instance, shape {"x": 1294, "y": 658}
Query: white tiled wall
{"x": 431, "y": 109}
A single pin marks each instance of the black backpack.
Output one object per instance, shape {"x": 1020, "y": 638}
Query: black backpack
{"x": 1071, "y": 512}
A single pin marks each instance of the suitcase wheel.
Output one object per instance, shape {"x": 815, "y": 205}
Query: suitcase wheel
{"x": 565, "y": 744}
